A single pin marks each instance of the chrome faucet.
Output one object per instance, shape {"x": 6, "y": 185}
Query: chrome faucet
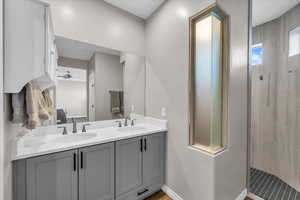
{"x": 74, "y": 126}
{"x": 65, "y": 131}
{"x": 119, "y": 123}
{"x": 132, "y": 122}
{"x": 84, "y": 127}
{"x": 126, "y": 120}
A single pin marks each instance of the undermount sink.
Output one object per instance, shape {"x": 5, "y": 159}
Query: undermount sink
{"x": 131, "y": 128}
{"x": 74, "y": 138}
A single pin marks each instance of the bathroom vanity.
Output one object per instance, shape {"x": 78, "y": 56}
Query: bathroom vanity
{"x": 107, "y": 163}
{"x": 91, "y": 83}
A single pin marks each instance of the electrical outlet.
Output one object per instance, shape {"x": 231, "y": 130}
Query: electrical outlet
{"x": 132, "y": 108}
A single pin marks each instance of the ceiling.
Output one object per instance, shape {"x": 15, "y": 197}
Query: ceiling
{"x": 140, "y": 8}
{"x": 79, "y": 50}
{"x": 267, "y": 10}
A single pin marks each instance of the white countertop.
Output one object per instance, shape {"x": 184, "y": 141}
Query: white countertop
{"x": 41, "y": 144}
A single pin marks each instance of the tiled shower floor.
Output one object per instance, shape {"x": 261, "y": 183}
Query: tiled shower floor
{"x": 269, "y": 187}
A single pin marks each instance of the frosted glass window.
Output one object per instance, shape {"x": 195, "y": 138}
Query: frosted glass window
{"x": 257, "y": 54}
{"x": 208, "y": 70}
{"x": 294, "y": 42}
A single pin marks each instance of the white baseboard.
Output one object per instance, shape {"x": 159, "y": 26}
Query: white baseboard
{"x": 175, "y": 196}
{"x": 171, "y": 193}
{"x": 254, "y": 197}
{"x": 243, "y": 195}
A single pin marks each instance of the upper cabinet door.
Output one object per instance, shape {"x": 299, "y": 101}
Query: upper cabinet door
{"x": 96, "y": 172}
{"x": 25, "y": 42}
{"x": 128, "y": 166}
{"x": 153, "y": 158}
{"x": 52, "y": 177}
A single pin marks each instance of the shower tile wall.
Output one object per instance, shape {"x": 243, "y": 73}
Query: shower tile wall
{"x": 275, "y": 123}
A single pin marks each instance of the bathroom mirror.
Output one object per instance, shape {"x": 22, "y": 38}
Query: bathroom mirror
{"x": 208, "y": 79}
{"x": 95, "y": 83}
{"x": 62, "y": 79}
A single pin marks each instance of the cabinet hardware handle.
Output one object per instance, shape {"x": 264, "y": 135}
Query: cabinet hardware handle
{"x": 81, "y": 160}
{"x": 74, "y": 161}
{"x": 141, "y": 145}
{"x": 145, "y": 145}
{"x": 142, "y": 192}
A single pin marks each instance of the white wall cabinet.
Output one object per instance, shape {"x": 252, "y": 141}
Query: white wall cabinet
{"x": 29, "y": 49}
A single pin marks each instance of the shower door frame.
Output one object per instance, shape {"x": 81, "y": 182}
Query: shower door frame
{"x": 249, "y": 92}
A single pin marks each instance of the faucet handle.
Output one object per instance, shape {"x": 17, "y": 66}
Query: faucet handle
{"x": 132, "y": 122}
{"x": 119, "y": 123}
{"x": 65, "y": 131}
{"x": 84, "y": 127}
{"x": 74, "y": 125}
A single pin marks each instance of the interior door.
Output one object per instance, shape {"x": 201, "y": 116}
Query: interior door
{"x": 96, "y": 172}
{"x": 153, "y": 158}
{"x": 52, "y": 177}
{"x": 128, "y": 165}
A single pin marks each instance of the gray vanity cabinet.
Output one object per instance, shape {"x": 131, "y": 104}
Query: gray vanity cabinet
{"x": 153, "y": 159}
{"x": 130, "y": 169}
{"x": 139, "y": 166}
{"x": 96, "y": 172}
{"x": 52, "y": 177}
{"x": 128, "y": 165}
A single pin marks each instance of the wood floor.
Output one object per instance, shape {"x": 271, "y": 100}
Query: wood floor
{"x": 159, "y": 196}
{"x": 162, "y": 196}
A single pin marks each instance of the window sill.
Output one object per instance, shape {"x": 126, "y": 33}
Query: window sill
{"x": 208, "y": 149}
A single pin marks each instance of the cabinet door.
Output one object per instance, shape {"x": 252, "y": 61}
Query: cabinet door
{"x": 128, "y": 165}
{"x": 96, "y": 172}
{"x": 153, "y": 158}
{"x": 24, "y": 42}
{"x": 52, "y": 177}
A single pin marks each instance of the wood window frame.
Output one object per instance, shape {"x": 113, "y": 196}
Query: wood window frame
{"x": 225, "y": 58}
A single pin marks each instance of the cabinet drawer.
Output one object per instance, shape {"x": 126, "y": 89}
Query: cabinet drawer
{"x": 141, "y": 193}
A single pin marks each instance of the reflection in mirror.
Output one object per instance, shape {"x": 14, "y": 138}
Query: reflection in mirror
{"x": 95, "y": 83}
{"x": 71, "y": 94}
{"x": 63, "y": 80}
{"x": 208, "y": 80}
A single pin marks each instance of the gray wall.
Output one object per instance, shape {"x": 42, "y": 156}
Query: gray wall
{"x": 134, "y": 83}
{"x": 98, "y": 23}
{"x": 275, "y": 138}
{"x": 108, "y": 76}
{"x": 190, "y": 173}
{"x": 193, "y": 174}
{"x": 231, "y": 166}
{"x": 7, "y": 134}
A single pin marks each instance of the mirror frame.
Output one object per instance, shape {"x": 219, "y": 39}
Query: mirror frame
{"x": 214, "y": 10}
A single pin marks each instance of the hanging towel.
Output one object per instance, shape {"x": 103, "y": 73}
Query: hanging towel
{"x": 48, "y": 104}
{"x": 18, "y": 106}
{"x": 35, "y": 109}
{"x": 115, "y": 102}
